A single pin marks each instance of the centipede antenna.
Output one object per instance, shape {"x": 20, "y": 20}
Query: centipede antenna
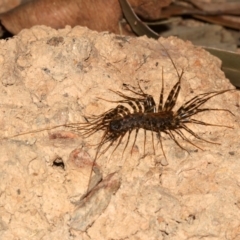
{"x": 36, "y": 131}
{"x": 173, "y": 63}
{"x": 160, "y": 105}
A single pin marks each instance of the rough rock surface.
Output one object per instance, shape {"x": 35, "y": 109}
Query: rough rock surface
{"x": 51, "y": 77}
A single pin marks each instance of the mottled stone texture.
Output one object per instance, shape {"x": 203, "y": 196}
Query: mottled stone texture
{"x": 51, "y": 77}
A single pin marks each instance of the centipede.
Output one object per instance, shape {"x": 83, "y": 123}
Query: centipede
{"x": 140, "y": 111}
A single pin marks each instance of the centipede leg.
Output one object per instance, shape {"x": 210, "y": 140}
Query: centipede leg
{"x": 197, "y": 136}
{"x": 179, "y": 133}
{"x": 175, "y": 140}
{"x": 135, "y": 138}
{"x": 191, "y": 106}
{"x": 153, "y": 142}
{"x": 188, "y": 114}
{"x": 206, "y": 124}
{"x": 129, "y": 133}
{"x": 145, "y": 138}
{"x": 160, "y": 140}
{"x": 118, "y": 143}
{"x": 172, "y": 97}
{"x": 147, "y": 100}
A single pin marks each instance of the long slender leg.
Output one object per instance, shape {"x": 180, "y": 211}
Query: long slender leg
{"x": 153, "y": 141}
{"x": 199, "y": 100}
{"x": 160, "y": 140}
{"x": 139, "y": 105}
{"x": 129, "y": 133}
{"x": 144, "y": 147}
{"x": 125, "y": 96}
{"x": 197, "y": 136}
{"x": 122, "y": 110}
{"x": 190, "y": 113}
{"x": 119, "y": 110}
{"x": 149, "y": 104}
{"x": 175, "y": 140}
{"x": 118, "y": 143}
{"x": 204, "y": 123}
{"x": 100, "y": 146}
{"x": 135, "y": 138}
{"x": 172, "y": 97}
{"x": 179, "y": 132}
{"x": 89, "y": 129}
{"x": 147, "y": 100}
{"x": 105, "y": 149}
{"x": 142, "y": 94}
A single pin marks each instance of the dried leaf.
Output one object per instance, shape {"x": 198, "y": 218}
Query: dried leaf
{"x": 149, "y": 9}
{"x": 136, "y": 24}
{"x": 59, "y": 13}
{"x": 227, "y": 21}
{"x": 218, "y": 7}
{"x": 230, "y": 64}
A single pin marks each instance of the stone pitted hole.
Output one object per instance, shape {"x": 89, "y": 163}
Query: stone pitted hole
{"x": 58, "y": 162}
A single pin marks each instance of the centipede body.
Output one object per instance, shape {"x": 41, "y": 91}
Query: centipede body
{"x": 140, "y": 111}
